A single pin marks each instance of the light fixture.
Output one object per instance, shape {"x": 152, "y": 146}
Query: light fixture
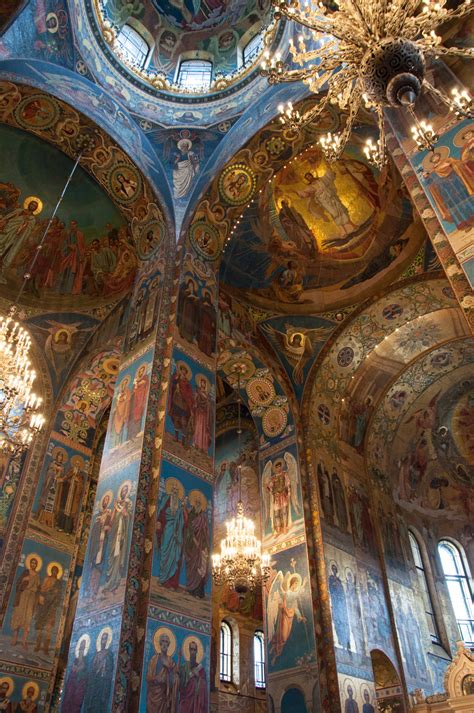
{"x": 370, "y": 53}
{"x": 20, "y": 416}
{"x": 241, "y": 564}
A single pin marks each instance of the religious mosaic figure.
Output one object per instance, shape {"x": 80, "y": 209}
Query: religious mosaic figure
{"x": 170, "y": 524}
{"x": 354, "y": 612}
{"x": 162, "y": 676}
{"x": 69, "y": 486}
{"x": 325, "y": 493}
{"x": 186, "y": 166}
{"x": 280, "y": 492}
{"x": 351, "y": 705}
{"x": 24, "y": 603}
{"x": 72, "y": 263}
{"x": 193, "y": 695}
{"x": 188, "y": 310}
{"x": 181, "y": 403}
{"x": 339, "y": 501}
{"x": 339, "y": 608}
{"x": 284, "y": 606}
{"x": 99, "y": 680}
{"x": 324, "y": 201}
{"x": 202, "y": 415}
{"x": 121, "y": 413}
{"x": 28, "y": 702}
{"x": 16, "y": 228}
{"x": 118, "y": 541}
{"x": 197, "y": 545}
{"x": 99, "y": 539}
{"x": 450, "y": 182}
{"x": 138, "y": 402}
{"x": 48, "y": 492}
{"x": 207, "y": 324}
{"x": 76, "y": 682}
{"x": 6, "y": 690}
{"x": 367, "y": 707}
{"x": 48, "y": 607}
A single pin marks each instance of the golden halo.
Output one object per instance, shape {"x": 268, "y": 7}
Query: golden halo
{"x": 34, "y": 556}
{"x": 87, "y": 639}
{"x": 61, "y": 331}
{"x": 111, "y": 497}
{"x": 195, "y": 495}
{"x": 125, "y": 482}
{"x": 37, "y": 200}
{"x": 169, "y": 482}
{"x": 349, "y": 682}
{"x": 292, "y": 576}
{"x": 11, "y": 685}
{"x": 125, "y": 381}
{"x": 141, "y": 369}
{"x": 461, "y": 137}
{"x": 364, "y": 687}
{"x": 79, "y": 460}
{"x": 428, "y": 164}
{"x": 200, "y": 647}
{"x": 200, "y": 377}
{"x": 30, "y": 684}
{"x": 156, "y": 640}
{"x": 106, "y": 630}
{"x": 50, "y": 566}
{"x": 57, "y": 450}
{"x": 182, "y": 363}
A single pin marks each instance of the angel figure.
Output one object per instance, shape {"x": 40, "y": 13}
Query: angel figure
{"x": 298, "y": 344}
{"x": 283, "y": 606}
{"x": 280, "y": 493}
{"x": 60, "y": 342}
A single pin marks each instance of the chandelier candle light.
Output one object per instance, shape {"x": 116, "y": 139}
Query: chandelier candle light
{"x": 20, "y": 417}
{"x": 241, "y": 564}
{"x": 370, "y": 53}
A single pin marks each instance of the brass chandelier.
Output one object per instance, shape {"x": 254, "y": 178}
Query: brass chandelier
{"x": 241, "y": 564}
{"x": 370, "y": 53}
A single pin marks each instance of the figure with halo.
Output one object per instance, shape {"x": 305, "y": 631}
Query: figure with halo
{"x": 119, "y": 536}
{"x": 76, "y": 683}
{"x": 49, "y": 603}
{"x": 280, "y": 493}
{"x": 284, "y": 606}
{"x": 197, "y": 544}
{"x": 186, "y": 166}
{"x": 24, "y": 603}
{"x": 170, "y": 524}
{"x": 193, "y": 696}
{"x": 162, "y": 674}
{"x": 6, "y": 690}
{"x": 99, "y": 681}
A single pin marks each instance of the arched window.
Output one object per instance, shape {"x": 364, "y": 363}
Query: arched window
{"x": 424, "y": 588}
{"x": 225, "y": 670}
{"x": 459, "y": 588}
{"x": 195, "y": 74}
{"x": 133, "y": 45}
{"x": 259, "y": 659}
{"x": 251, "y": 49}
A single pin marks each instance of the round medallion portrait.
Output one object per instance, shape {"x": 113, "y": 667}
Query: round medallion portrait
{"x": 149, "y": 238}
{"x": 205, "y": 239}
{"x": 37, "y": 111}
{"x": 125, "y": 183}
{"x": 261, "y": 391}
{"x": 274, "y": 421}
{"x": 237, "y": 184}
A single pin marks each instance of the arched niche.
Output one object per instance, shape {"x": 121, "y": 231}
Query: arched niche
{"x": 293, "y": 701}
{"x": 388, "y": 687}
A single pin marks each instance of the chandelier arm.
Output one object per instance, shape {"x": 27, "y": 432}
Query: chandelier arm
{"x": 313, "y": 113}
{"x": 459, "y": 110}
{"x": 466, "y": 52}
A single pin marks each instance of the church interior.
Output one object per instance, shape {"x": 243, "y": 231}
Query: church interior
{"x": 236, "y": 356}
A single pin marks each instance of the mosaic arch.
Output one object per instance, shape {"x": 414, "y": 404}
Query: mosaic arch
{"x": 397, "y": 324}
{"x": 425, "y": 456}
{"x": 95, "y": 260}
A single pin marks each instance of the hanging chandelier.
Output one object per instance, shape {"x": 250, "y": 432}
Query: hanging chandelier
{"x": 241, "y": 564}
{"x": 367, "y": 53}
{"x": 20, "y": 419}
{"x": 20, "y": 416}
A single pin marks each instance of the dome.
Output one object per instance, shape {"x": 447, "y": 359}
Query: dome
{"x": 197, "y": 47}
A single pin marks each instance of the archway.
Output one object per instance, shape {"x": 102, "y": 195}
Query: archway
{"x": 388, "y": 688}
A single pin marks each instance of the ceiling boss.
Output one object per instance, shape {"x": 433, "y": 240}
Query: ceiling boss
{"x": 367, "y": 53}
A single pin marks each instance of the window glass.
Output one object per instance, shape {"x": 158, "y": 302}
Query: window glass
{"x": 133, "y": 45}
{"x": 459, "y": 588}
{"x": 195, "y": 74}
{"x": 225, "y": 671}
{"x": 259, "y": 659}
{"x": 424, "y": 589}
